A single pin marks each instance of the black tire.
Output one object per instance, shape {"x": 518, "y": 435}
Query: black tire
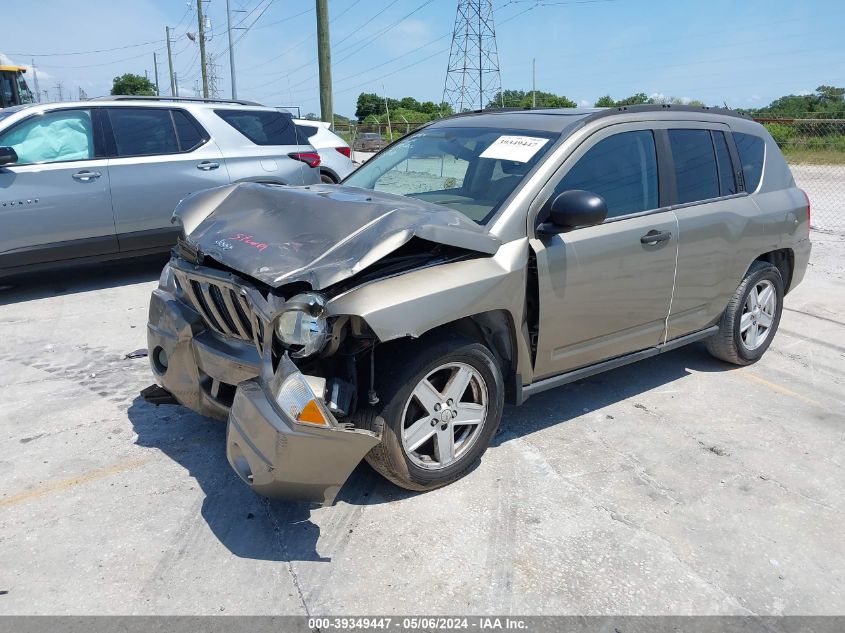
{"x": 398, "y": 377}
{"x": 727, "y": 344}
{"x": 327, "y": 179}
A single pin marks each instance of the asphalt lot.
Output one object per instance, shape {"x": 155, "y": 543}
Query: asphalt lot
{"x": 677, "y": 485}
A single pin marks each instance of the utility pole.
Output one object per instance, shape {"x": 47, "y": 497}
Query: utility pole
{"x": 324, "y": 56}
{"x": 155, "y": 66}
{"x": 35, "y": 80}
{"x": 533, "y": 82}
{"x": 175, "y": 81}
{"x": 59, "y": 91}
{"x": 201, "y": 23}
{"x": 231, "y": 52}
{"x": 173, "y": 92}
{"x": 387, "y": 110}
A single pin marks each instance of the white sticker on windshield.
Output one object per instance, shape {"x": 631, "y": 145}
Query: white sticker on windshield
{"x": 516, "y": 148}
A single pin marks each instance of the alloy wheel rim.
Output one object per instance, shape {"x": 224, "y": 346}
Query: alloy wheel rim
{"x": 758, "y": 315}
{"x": 444, "y": 415}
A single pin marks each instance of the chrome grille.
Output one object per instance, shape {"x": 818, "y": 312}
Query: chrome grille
{"x": 222, "y": 306}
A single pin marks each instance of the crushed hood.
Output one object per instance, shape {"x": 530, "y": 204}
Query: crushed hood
{"x": 319, "y": 234}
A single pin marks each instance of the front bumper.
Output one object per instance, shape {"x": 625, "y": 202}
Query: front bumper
{"x": 222, "y": 378}
{"x": 202, "y": 369}
{"x": 280, "y": 458}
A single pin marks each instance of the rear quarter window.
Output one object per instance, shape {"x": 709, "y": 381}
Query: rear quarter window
{"x": 262, "y": 127}
{"x": 751, "y": 150}
{"x": 307, "y": 131}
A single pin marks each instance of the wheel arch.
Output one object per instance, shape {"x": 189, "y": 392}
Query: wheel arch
{"x": 494, "y": 329}
{"x": 330, "y": 173}
{"x": 784, "y": 260}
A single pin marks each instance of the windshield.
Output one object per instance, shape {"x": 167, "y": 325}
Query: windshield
{"x": 470, "y": 170}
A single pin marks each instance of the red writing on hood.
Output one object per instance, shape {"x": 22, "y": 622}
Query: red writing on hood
{"x": 250, "y": 240}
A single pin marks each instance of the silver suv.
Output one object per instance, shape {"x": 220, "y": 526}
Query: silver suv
{"x": 100, "y": 179}
{"x": 478, "y": 261}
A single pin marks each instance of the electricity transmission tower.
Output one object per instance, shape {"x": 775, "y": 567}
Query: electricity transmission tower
{"x": 472, "y": 78}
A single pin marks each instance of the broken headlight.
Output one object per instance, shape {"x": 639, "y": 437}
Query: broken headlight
{"x": 302, "y": 327}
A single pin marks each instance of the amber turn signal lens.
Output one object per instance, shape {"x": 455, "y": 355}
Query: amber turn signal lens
{"x": 311, "y": 414}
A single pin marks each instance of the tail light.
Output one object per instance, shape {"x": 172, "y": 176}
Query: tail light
{"x": 345, "y": 150}
{"x": 807, "y": 198}
{"x": 312, "y": 159}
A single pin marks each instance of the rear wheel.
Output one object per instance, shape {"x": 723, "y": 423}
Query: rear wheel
{"x": 327, "y": 179}
{"x": 752, "y": 317}
{"x": 441, "y": 403}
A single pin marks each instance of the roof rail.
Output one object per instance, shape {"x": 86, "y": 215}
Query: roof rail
{"x": 165, "y": 98}
{"x": 605, "y": 112}
{"x": 658, "y": 107}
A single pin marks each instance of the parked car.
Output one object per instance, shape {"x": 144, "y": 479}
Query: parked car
{"x": 335, "y": 153}
{"x": 478, "y": 261}
{"x": 100, "y": 179}
{"x": 369, "y": 142}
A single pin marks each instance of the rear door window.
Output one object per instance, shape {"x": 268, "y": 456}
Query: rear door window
{"x": 696, "y": 173}
{"x": 143, "y": 131}
{"x": 262, "y": 127}
{"x": 727, "y": 183}
{"x": 751, "y": 150}
{"x": 622, "y": 169}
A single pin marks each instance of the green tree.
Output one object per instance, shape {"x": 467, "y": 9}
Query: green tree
{"x": 525, "y": 99}
{"x": 637, "y": 99}
{"x": 130, "y": 84}
{"x": 830, "y": 94}
{"x": 368, "y": 103}
{"x": 605, "y": 102}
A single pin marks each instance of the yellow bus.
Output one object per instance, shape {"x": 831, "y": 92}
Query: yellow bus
{"x": 13, "y": 88}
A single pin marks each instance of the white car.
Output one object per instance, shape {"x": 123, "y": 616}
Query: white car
{"x": 335, "y": 153}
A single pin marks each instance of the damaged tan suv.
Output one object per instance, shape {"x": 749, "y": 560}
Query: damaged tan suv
{"x": 478, "y": 261}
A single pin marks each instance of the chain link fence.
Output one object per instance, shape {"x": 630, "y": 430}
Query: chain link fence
{"x": 815, "y": 149}
{"x": 350, "y": 131}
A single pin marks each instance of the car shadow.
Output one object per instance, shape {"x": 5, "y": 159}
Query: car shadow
{"x": 80, "y": 278}
{"x": 562, "y": 404}
{"x": 252, "y": 527}
{"x": 248, "y": 525}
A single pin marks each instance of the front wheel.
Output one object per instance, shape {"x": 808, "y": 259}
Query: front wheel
{"x": 752, "y": 317}
{"x": 441, "y": 403}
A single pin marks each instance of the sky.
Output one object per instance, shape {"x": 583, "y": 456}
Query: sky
{"x": 743, "y": 54}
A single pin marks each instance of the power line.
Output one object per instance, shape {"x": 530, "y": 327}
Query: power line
{"x": 308, "y": 38}
{"x": 102, "y": 50}
{"x": 109, "y": 63}
{"x": 369, "y": 39}
{"x": 289, "y": 18}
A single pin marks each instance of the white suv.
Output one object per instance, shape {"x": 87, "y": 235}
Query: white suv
{"x": 335, "y": 153}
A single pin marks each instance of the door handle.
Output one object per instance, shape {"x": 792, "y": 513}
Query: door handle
{"x": 655, "y": 237}
{"x": 86, "y": 175}
{"x": 207, "y": 165}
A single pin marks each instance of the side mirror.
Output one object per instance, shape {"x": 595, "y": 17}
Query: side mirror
{"x": 572, "y": 209}
{"x": 8, "y": 155}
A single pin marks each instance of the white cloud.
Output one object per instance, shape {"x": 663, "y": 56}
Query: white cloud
{"x": 585, "y": 103}
{"x": 659, "y": 97}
